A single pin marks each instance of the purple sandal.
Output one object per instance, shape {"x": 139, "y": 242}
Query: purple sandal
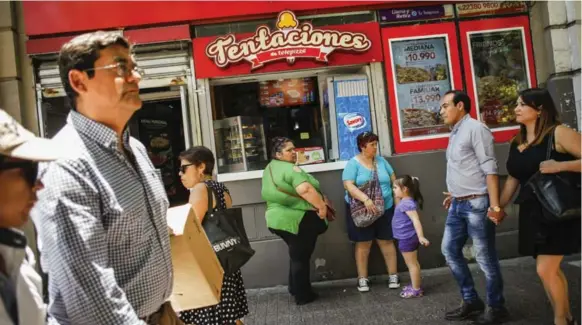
{"x": 409, "y": 292}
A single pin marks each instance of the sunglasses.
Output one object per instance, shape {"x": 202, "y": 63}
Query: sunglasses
{"x": 183, "y": 168}
{"x": 29, "y": 169}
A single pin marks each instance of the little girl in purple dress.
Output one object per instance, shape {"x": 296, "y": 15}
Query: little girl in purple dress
{"x": 407, "y": 230}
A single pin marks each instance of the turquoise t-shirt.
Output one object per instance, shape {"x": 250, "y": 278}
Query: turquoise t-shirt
{"x": 355, "y": 171}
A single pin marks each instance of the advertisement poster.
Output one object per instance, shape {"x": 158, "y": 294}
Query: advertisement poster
{"x": 422, "y": 78}
{"x": 310, "y": 155}
{"x": 500, "y": 73}
{"x": 287, "y": 92}
{"x": 352, "y": 106}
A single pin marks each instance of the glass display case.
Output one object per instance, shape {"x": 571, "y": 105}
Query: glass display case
{"x": 240, "y": 144}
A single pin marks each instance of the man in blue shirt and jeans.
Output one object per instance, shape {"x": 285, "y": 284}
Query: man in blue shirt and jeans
{"x": 473, "y": 192}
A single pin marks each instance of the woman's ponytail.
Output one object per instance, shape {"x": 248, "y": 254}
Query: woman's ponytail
{"x": 415, "y": 192}
{"x": 413, "y": 185}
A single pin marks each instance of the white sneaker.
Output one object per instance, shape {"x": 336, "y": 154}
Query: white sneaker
{"x": 393, "y": 281}
{"x": 363, "y": 285}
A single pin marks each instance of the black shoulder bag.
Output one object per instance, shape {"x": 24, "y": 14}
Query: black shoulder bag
{"x": 558, "y": 195}
{"x": 226, "y": 232}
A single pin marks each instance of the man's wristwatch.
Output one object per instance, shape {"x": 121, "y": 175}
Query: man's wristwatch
{"x": 496, "y": 208}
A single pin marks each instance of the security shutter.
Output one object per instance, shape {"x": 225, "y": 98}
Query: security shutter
{"x": 164, "y": 65}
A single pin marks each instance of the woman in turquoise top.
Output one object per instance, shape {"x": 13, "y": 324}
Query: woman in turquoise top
{"x": 295, "y": 212}
{"x": 357, "y": 172}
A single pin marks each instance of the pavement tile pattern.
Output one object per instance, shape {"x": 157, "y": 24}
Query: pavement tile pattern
{"x": 341, "y": 303}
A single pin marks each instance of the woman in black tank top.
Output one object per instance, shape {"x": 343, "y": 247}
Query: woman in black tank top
{"x": 547, "y": 243}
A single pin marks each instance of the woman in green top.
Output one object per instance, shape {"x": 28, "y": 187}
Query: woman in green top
{"x": 295, "y": 212}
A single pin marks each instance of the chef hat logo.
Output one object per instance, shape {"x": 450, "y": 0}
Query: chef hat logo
{"x": 287, "y": 20}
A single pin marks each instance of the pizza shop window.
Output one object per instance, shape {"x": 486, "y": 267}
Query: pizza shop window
{"x": 248, "y": 115}
{"x": 322, "y": 113}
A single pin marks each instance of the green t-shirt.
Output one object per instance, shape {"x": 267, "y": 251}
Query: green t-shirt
{"x": 285, "y": 212}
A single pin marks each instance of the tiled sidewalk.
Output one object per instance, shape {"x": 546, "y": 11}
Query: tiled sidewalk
{"x": 341, "y": 303}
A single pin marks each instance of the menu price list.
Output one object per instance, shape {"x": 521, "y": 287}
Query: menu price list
{"x": 286, "y": 92}
{"x": 422, "y": 79}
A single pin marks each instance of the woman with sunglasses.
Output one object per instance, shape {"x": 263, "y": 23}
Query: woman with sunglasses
{"x": 196, "y": 166}
{"x": 20, "y": 285}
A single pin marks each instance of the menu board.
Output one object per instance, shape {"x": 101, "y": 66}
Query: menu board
{"x": 286, "y": 92}
{"x": 422, "y": 78}
{"x": 499, "y": 71}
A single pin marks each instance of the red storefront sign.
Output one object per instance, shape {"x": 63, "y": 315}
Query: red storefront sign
{"x": 292, "y": 46}
{"x": 289, "y": 42}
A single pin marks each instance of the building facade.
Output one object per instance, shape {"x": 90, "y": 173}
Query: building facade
{"x": 233, "y": 76}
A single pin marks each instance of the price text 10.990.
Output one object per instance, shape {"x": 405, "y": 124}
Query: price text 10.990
{"x": 417, "y": 56}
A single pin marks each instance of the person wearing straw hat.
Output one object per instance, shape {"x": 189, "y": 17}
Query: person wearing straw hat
{"x": 20, "y": 286}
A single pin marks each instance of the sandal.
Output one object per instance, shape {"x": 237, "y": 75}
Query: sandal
{"x": 409, "y": 292}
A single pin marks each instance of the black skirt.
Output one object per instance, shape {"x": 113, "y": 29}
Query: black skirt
{"x": 537, "y": 237}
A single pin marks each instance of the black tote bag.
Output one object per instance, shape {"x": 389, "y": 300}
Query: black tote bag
{"x": 226, "y": 232}
{"x": 558, "y": 195}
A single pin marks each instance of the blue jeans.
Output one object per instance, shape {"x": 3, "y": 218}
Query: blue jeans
{"x": 468, "y": 218}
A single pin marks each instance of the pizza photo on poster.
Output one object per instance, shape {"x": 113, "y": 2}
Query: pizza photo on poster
{"x": 500, "y": 73}
{"x": 422, "y": 74}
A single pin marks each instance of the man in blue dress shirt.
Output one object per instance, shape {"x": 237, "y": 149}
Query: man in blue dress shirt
{"x": 473, "y": 192}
